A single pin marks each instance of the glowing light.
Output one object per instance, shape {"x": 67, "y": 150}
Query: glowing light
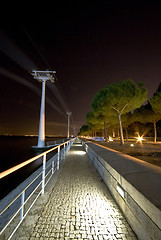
{"x": 121, "y": 191}
{"x": 110, "y": 139}
{"x": 79, "y": 152}
{"x": 140, "y": 139}
{"x": 131, "y": 145}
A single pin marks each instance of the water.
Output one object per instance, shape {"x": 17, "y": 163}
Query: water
{"x": 14, "y": 150}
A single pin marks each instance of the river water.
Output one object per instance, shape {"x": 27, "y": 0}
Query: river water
{"x": 14, "y": 150}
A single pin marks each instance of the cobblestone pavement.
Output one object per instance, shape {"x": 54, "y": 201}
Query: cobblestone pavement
{"x": 80, "y": 206}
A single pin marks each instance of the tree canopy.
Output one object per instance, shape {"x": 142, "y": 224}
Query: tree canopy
{"x": 123, "y": 96}
{"x": 120, "y": 97}
{"x": 155, "y": 101}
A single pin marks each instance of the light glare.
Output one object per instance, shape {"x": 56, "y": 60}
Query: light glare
{"x": 110, "y": 139}
{"x": 121, "y": 191}
{"x": 79, "y": 152}
{"x": 140, "y": 139}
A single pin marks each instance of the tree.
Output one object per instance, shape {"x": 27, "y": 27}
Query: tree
{"x": 127, "y": 119}
{"x": 145, "y": 114}
{"x": 155, "y": 101}
{"x": 119, "y": 98}
{"x": 95, "y": 123}
{"x": 84, "y": 130}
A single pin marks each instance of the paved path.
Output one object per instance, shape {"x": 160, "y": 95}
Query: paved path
{"x": 80, "y": 206}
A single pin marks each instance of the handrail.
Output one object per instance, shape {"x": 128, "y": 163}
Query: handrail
{"x": 15, "y": 168}
{"x": 56, "y": 142}
{"x": 16, "y": 205}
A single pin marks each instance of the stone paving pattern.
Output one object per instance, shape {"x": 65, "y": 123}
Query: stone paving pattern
{"x": 80, "y": 206}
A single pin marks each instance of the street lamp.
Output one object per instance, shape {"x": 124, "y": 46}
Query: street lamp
{"x": 68, "y": 114}
{"x": 140, "y": 139}
{"x": 43, "y": 76}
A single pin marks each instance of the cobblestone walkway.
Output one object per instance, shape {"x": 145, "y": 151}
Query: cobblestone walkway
{"x": 80, "y": 206}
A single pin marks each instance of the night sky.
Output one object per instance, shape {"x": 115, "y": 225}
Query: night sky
{"x": 89, "y": 45}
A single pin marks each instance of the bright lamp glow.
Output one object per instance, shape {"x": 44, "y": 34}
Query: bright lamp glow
{"x": 140, "y": 139}
{"x": 77, "y": 145}
{"x": 121, "y": 191}
{"x": 79, "y": 152}
{"x": 110, "y": 139}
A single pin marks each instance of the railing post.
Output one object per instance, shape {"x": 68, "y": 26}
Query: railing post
{"x": 64, "y": 152}
{"x": 43, "y": 173}
{"x": 61, "y": 155}
{"x": 58, "y": 159}
{"x": 52, "y": 167}
{"x": 22, "y": 205}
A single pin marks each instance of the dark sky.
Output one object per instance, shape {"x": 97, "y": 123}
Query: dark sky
{"x": 89, "y": 45}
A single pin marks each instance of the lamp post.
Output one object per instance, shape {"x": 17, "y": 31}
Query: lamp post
{"x": 68, "y": 114}
{"x": 43, "y": 76}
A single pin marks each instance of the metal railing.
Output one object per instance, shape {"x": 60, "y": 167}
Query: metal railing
{"x": 56, "y": 142}
{"x": 17, "y": 209}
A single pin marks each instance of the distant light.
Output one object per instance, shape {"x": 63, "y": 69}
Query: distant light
{"x": 88, "y": 137}
{"x": 121, "y": 191}
{"x": 110, "y": 139}
{"x": 131, "y": 145}
{"x": 140, "y": 139}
